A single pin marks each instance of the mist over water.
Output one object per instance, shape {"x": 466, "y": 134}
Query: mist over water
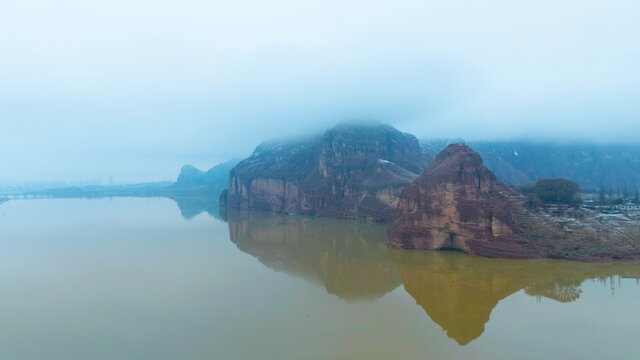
{"x": 134, "y": 90}
{"x": 127, "y": 137}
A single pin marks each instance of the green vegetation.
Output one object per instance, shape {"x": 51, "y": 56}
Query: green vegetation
{"x": 557, "y": 191}
{"x": 551, "y": 191}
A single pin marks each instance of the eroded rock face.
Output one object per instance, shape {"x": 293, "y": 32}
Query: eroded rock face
{"x": 459, "y": 204}
{"x": 351, "y": 171}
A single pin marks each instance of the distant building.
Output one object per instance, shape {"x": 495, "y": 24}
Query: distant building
{"x": 628, "y": 207}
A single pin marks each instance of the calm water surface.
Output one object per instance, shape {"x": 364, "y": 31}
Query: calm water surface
{"x": 129, "y": 278}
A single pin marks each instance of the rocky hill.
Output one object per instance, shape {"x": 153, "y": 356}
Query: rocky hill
{"x": 457, "y": 203}
{"x": 213, "y": 180}
{"x": 351, "y": 171}
{"x": 592, "y": 166}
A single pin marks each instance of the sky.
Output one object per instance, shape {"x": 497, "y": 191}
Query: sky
{"x": 135, "y": 89}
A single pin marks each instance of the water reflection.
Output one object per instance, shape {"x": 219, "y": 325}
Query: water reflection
{"x": 191, "y": 206}
{"x": 457, "y": 291}
{"x": 348, "y": 257}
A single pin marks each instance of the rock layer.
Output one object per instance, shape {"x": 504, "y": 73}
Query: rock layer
{"x": 351, "y": 171}
{"x": 459, "y": 204}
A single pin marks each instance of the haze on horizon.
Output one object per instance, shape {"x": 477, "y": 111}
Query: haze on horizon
{"x": 135, "y": 89}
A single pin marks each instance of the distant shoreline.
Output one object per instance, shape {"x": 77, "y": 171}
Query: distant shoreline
{"x": 162, "y": 189}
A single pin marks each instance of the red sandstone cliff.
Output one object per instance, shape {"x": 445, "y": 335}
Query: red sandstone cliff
{"x": 351, "y": 171}
{"x": 457, "y": 203}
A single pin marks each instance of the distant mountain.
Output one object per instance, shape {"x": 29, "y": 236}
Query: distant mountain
{"x": 213, "y": 180}
{"x": 350, "y": 171}
{"x": 590, "y": 165}
{"x": 191, "y": 181}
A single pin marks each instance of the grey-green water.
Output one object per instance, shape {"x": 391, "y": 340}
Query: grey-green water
{"x": 128, "y": 278}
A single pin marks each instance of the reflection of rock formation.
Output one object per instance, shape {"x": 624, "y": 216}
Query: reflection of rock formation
{"x": 456, "y": 290}
{"x": 348, "y": 257}
{"x": 459, "y": 291}
{"x": 190, "y": 206}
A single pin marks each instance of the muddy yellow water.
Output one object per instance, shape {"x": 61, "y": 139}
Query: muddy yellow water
{"x": 154, "y": 278}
